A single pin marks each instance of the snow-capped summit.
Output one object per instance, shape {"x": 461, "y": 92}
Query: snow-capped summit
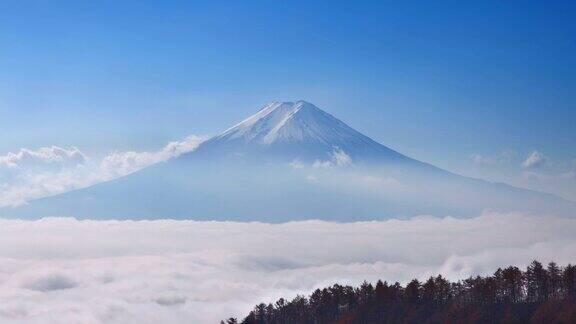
{"x": 290, "y": 121}
{"x": 296, "y": 130}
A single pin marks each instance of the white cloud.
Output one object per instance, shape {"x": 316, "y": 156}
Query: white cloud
{"x": 43, "y": 157}
{"x": 504, "y": 157}
{"x": 534, "y": 160}
{"x": 32, "y": 174}
{"x": 168, "y": 271}
{"x": 122, "y": 163}
{"x": 558, "y": 179}
{"x": 296, "y": 164}
{"x": 338, "y": 158}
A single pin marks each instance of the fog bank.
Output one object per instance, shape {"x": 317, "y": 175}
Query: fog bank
{"x": 66, "y": 270}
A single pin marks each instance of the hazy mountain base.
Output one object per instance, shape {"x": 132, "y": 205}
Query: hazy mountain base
{"x": 277, "y": 192}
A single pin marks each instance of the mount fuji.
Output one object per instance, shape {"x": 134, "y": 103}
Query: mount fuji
{"x": 295, "y": 130}
{"x": 288, "y": 161}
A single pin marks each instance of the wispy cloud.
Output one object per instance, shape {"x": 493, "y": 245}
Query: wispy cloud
{"x": 296, "y": 164}
{"x": 338, "y": 158}
{"x": 122, "y": 163}
{"x": 504, "y": 157}
{"x": 44, "y": 157}
{"x": 534, "y": 160}
{"x": 75, "y": 276}
{"x": 30, "y": 174}
{"x": 542, "y": 173}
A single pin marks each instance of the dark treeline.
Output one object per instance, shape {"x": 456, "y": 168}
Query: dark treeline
{"x": 538, "y": 295}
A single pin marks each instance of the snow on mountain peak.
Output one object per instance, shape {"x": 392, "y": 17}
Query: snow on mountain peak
{"x": 290, "y": 121}
{"x": 296, "y": 130}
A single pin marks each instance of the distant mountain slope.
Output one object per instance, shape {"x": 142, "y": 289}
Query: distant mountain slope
{"x": 291, "y": 161}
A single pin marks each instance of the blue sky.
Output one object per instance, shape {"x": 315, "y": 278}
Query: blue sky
{"x": 439, "y": 81}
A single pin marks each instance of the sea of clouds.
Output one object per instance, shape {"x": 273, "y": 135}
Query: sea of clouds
{"x": 167, "y": 271}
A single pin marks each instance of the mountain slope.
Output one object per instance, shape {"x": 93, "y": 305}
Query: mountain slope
{"x": 291, "y": 161}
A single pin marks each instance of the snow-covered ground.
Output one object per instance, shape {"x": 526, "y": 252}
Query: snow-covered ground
{"x": 69, "y": 271}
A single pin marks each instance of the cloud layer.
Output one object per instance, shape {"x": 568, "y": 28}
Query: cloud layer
{"x": 30, "y": 174}
{"x": 65, "y": 270}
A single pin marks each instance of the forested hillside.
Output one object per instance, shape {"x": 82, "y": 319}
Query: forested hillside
{"x": 540, "y": 294}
